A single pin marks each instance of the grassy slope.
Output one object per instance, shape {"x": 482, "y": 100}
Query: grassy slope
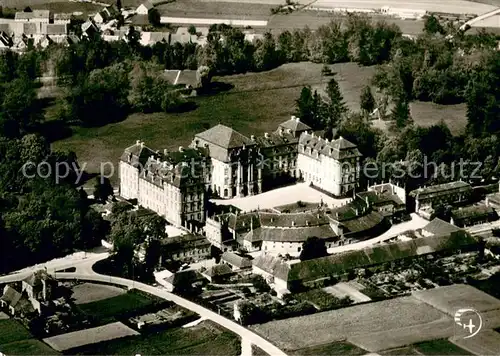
{"x": 202, "y": 339}
{"x": 27, "y": 347}
{"x": 257, "y": 104}
{"x": 11, "y": 331}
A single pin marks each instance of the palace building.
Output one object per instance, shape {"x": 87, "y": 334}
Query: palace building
{"x": 227, "y": 164}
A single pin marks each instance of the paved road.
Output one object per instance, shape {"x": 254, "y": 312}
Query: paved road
{"x": 84, "y": 271}
{"x": 416, "y": 222}
{"x": 245, "y": 334}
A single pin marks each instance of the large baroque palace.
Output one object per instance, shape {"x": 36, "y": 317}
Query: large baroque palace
{"x": 227, "y": 164}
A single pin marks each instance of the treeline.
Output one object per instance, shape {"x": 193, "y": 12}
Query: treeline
{"x": 39, "y": 218}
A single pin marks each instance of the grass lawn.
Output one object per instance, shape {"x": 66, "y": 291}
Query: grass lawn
{"x": 55, "y": 6}
{"x": 205, "y": 338}
{"x": 27, "y": 347}
{"x": 256, "y": 103}
{"x": 433, "y": 347}
{"x": 106, "y": 310}
{"x": 336, "y": 348}
{"x": 11, "y": 331}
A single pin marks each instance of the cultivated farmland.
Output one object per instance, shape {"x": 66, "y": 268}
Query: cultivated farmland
{"x": 450, "y": 298}
{"x": 484, "y": 343}
{"x": 205, "y": 338}
{"x": 433, "y": 347}
{"x": 392, "y": 314}
{"x": 89, "y": 336}
{"x": 27, "y": 347}
{"x": 108, "y": 310}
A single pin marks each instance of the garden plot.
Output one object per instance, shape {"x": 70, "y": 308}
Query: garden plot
{"x": 363, "y": 319}
{"x": 89, "y": 336}
{"x": 90, "y": 292}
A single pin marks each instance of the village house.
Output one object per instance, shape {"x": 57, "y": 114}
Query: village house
{"x": 41, "y": 16}
{"x": 473, "y": 215}
{"x": 236, "y": 262}
{"x": 144, "y": 8}
{"x": 387, "y": 199}
{"x": 218, "y": 273}
{"x": 185, "y": 247}
{"x": 62, "y": 19}
{"x": 438, "y": 227}
{"x": 429, "y": 199}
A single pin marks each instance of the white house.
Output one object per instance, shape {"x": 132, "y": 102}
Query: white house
{"x": 144, "y": 8}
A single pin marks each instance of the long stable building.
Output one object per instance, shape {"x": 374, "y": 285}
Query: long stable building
{"x": 228, "y": 164}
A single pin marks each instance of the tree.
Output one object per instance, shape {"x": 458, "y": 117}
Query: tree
{"x": 265, "y": 56}
{"x": 154, "y": 17}
{"x": 401, "y": 114}
{"x": 432, "y": 26}
{"x": 367, "y": 101}
{"x": 133, "y": 38}
{"x": 102, "y": 189}
{"x": 154, "y": 227}
{"x": 152, "y": 254}
{"x": 192, "y": 30}
{"x": 308, "y": 107}
{"x": 119, "y": 4}
{"x": 312, "y": 248}
{"x": 34, "y": 148}
{"x": 336, "y": 107}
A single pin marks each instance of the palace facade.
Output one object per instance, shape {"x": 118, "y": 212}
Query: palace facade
{"x": 227, "y": 164}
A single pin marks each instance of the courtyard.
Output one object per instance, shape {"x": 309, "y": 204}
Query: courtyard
{"x": 282, "y": 196}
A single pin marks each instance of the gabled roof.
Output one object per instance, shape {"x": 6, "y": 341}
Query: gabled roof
{"x": 440, "y": 189}
{"x": 189, "y": 276}
{"x": 225, "y": 137}
{"x": 273, "y": 265}
{"x": 235, "y": 260}
{"x": 343, "y": 262}
{"x": 11, "y": 296}
{"x": 218, "y": 270}
{"x": 440, "y": 227}
{"x": 148, "y": 4}
{"x": 474, "y": 212}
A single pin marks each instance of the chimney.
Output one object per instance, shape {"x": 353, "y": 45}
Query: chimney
{"x": 252, "y": 137}
{"x": 142, "y": 144}
{"x": 181, "y": 149}
{"x": 138, "y": 142}
{"x": 326, "y": 140}
{"x": 312, "y": 134}
{"x": 266, "y": 135}
{"x": 297, "y": 119}
{"x": 272, "y": 219}
{"x": 281, "y": 131}
{"x": 367, "y": 202}
{"x": 356, "y": 211}
{"x": 293, "y": 222}
{"x": 341, "y": 138}
{"x": 165, "y": 152}
{"x": 307, "y": 222}
{"x": 290, "y": 131}
{"x": 294, "y": 117}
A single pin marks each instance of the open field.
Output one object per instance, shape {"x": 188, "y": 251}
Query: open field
{"x": 486, "y": 342}
{"x": 392, "y": 314}
{"x": 27, "y": 347}
{"x": 433, "y": 347}
{"x": 11, "y": 331}
{"x": 205, "y": 338}
{"x": 89, "y": 292}
{"x": 200, "y": 9}
{"x": 336, "y": 348}
{"x": 257, "y": 103}
{"x": 450, "y": 298}
{"x": 90, "y": 336}
{"x": 107, "y": 309}
{"x": 69, "y": 7}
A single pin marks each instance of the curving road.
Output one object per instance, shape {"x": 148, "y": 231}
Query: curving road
{"x": 85, "y": 272}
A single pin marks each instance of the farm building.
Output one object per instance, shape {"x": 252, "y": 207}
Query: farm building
{"x": 473, "y": 215}
{"x": 282, "y": 275}
{"x": 144, "y": 8}
{"x": 236, "y": 262}
{"x": 429, "y": 199}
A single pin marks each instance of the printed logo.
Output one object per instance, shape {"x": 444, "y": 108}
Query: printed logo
{"x": 469, "y": 320}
